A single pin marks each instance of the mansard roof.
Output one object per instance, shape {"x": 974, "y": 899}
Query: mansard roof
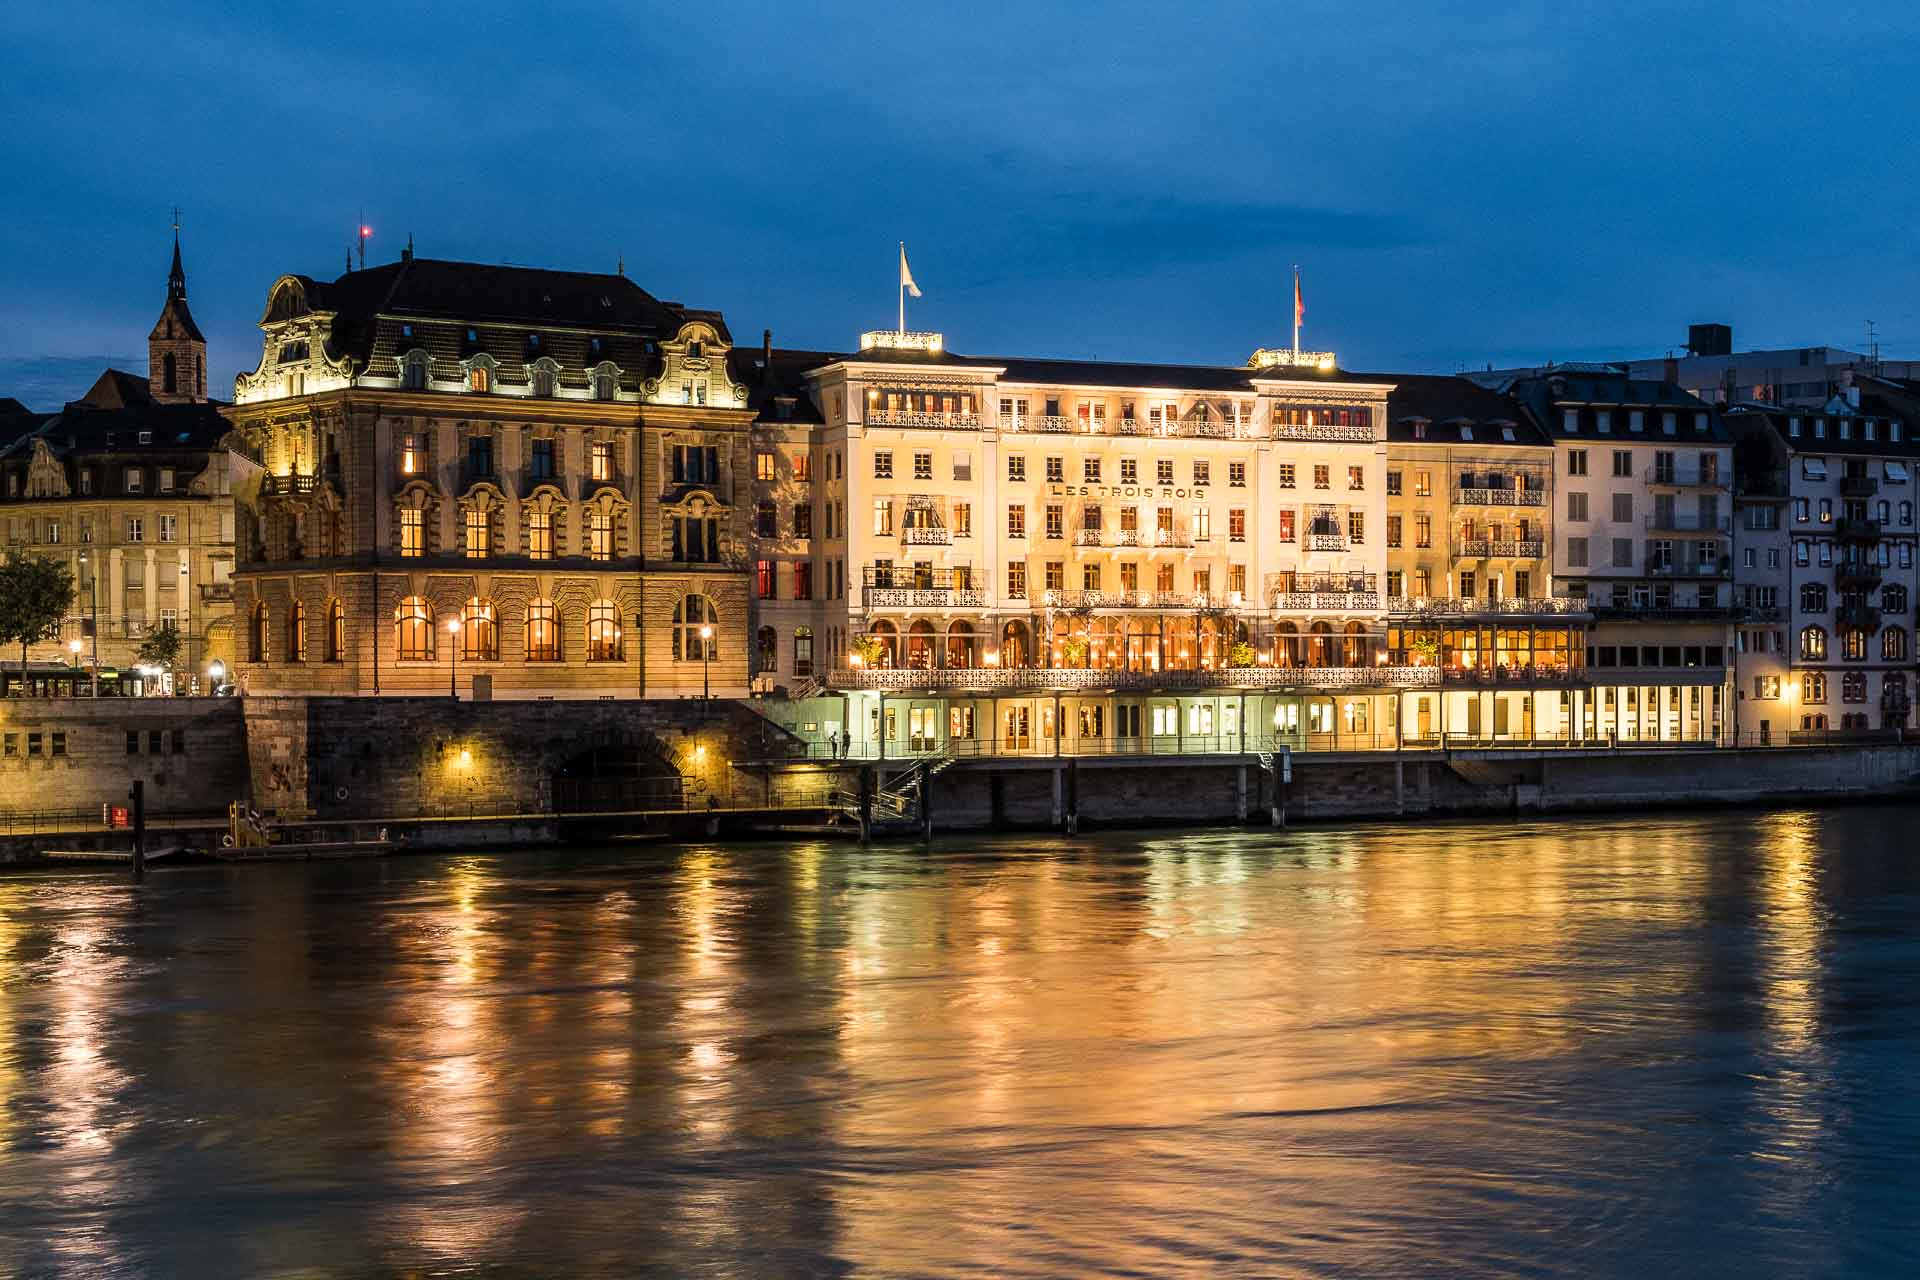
{"x": 1778, "y": 418}
{"x": 1546, "y": 395}
{"x": 1445, "y": 403}
{"x": 168, "y": 428}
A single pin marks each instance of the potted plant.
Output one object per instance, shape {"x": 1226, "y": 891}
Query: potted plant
{"x": 1240, "y": 655}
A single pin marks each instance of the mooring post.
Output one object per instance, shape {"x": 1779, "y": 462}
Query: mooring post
{"x": 1059, "y": 803}
{"x": 139, "y": 829}
{"x": 1241, "y": 813}
{"x": 1073, "y": 797}
{"x": 866, "y": 803}
{"x": 926, "y": 804}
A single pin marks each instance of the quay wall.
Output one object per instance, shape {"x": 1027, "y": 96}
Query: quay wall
{"x": 72, "y": 755}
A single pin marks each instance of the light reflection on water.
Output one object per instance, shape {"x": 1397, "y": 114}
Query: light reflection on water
{"x": 1609, "y": 1047}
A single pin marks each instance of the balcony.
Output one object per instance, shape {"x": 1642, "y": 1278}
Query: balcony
{"x": 923, "y": 597}
{"x": 1856, "y": 529}
{"x": 1516, "y": 606}
{"x": 1721, "y": 568}
{"x": 1512, "y": 497}
{"x": 1088, "y": 538}
{"x": 1016, "y": 679}
{"x": 1858, "y": 574}
{"x": 1170, "y": 538}
{"x": 1858, "y": 486}
{"x": 926, "y": 535}
{"x": 1857, "y": 615}
{"x": 1686, "y": 522}
{"x": 1161, "y": 600}
{"x": 1672, "y": 611}
{"x": 1325, "y": 601}
{"x": 1498, "y": 548}
{"x": 1684, "y": 478}
{"x": 1329, "y": 432}
{"x": 925, "y": 421}
{"x": 1038, "y": 423}
{"x": 286, "y": 485}
{"x": 1325, "y": 541}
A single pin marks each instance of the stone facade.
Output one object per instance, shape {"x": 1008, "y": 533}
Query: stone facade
{"x": 74, "y": 755}
{"x": 554, "y": 469}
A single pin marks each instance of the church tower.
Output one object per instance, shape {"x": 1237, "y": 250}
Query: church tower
{"x": 176, "y": 351}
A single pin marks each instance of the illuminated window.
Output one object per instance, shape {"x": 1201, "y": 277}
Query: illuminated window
{"x": 411, "y": 460}
{"x": 603, "y": 632}
{"x": 540, "y": 535}
{"x": 336, "y": 650}
{"x": 297, "y": 632}
{"x": 600, "y": 461}
{"x": 479, "y": 378}
{"x": 693, "y": 613}
{"x": 600, "y": 535}
{"x": 479, "y": 631}
{"x": 479, "y": 533}
{"x": 413, "y": 630}
{"x": 413, "y": 532}
{"x": 543, "y": 632}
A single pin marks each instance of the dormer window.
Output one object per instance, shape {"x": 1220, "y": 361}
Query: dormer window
{"x": 1699, "y": 422}
{"x": 533, "y": 342}
{"x": 479, "y": 378}
{"x": 413, "y": 371}
{"x": 603, "y": 386}
{"x": 406, "y": 331}
{"x": 1466, "y": 431}
{"x": 695, "y": 348}
{"x": 473, "y": 335}
{"x": 1506, "y": 433}
{"x": 1846, "y": 428}
{"x": 290, "y": 352}
{"x": 1603, "y": 421}
{"x": 593, "y": 346}
{"x": 1793, "y": 428}
{"x": 1570, "y": 420}
{"x": 543, "y": 381}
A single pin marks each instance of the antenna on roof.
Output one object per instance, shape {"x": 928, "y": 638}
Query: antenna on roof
{"x": 1873, "y": 348}
{"x": 620, "y": 265}
{"x": 365, "y": 231}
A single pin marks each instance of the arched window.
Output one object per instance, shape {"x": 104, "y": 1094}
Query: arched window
{"x": 1016, "y": 644}
{"x": 1813, "y": 644}
{"x": 889, "y": 637}
{"x": 413, "y": 630}
{"x": 960, "y": 644}
{"x": 920, "y": 645}
{"x": 1893, "y": 644}
{"x": 603, "y": 385}
{"x": 257, "y": 634}
{"x": 543, "y": 382}
{"x": 543, "y": 632}
{"x": 336, "y": 631}
{"x": 479, "y": 378}
{"x": 1853, "y": 644}
{"x": 1320, "y": 645}
{"x": 692, "y": 616}
{"x": 167, "y": 375}
{"x": 413, "y": 371}
{"x": 766, "y": 650}
{"x": 479, "y": 631}
{"x": 297, "y": 632}
{"x": 803, "y": 651}
{"x": 1354, "y": 650}
{"x": 603, "y": 632}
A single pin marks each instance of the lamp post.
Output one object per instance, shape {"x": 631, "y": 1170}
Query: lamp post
{"x": 93, "y": 616}
{"x": 706, "y": 653}
{"x": 216, "y": 675}
{"x": 73, "y": 647}
{"x": 453, "y": 664}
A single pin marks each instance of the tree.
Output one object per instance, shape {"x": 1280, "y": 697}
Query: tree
{"x": 35, "y": 594}
{"x": 161, "y": 648}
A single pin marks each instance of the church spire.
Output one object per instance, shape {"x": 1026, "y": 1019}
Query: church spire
{"x": 176, "y": 278}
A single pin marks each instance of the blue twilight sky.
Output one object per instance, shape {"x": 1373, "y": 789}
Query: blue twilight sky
{"x": 1462, "y": 182}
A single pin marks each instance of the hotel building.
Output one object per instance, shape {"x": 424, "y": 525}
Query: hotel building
{"x": 1048, "y": 556}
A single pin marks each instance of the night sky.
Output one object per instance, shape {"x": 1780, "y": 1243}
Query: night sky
{"x": 1462, "y": 183}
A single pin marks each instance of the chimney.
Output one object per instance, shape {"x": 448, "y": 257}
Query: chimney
{"x": 766, "y": 347}
{"x": 1671, "y": 371}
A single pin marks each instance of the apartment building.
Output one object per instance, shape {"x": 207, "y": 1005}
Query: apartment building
{"x": 1469, "y": 566}
{"x": 1838, "y": 486}
{"x": 1642, "y": 530}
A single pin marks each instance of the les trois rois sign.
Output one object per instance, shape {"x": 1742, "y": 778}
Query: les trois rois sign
{"x": 1122, "y": 491}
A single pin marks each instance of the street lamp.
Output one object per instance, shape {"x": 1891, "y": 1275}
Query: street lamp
{"x": 73, "y": 647}
{"x": 453, "y": 665}
{"x": 93, "y": 619}
{"x": 216, "y": 674}
{"x": 706, "y": 652}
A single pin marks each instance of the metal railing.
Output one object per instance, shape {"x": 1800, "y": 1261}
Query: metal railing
{"x": 998, "y": 679}
{"x": 1324, "y": 601}
{"x": 1513, "y": 548}
{"x": 931, "y": 421}
{"x": 1684, "y": 478}
{"x": 1444, "y": 607}
{"x": 1327, "y": 431}
{"x": 1466, "y": 496}
{"x": 1686, "y": 522}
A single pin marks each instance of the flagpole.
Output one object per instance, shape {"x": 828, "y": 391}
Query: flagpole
{"x": 1296, "y": 312}
{"x": 903, "y": 290}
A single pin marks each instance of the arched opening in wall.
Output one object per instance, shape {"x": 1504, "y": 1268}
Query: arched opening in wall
{"x": 920, "y": 645}
{"x": 616, "y": 777}
{"x": 960, "y": 644}
{"x": 889, "y": 637}
{"x": 1286, "y": 645}
{"x": 1016, "y": 644}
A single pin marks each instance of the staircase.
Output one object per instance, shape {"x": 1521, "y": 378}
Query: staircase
{"x": 804, "y": 689}
{"x": 898, "y": 800}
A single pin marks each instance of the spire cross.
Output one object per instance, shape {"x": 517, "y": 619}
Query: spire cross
{"x": 176, "y": 219}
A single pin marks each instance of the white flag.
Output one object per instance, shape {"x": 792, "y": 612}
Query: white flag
{"x": 906, "y": 273}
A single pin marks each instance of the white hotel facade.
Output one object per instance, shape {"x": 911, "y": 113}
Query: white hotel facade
{"x": 1070, "y": 557}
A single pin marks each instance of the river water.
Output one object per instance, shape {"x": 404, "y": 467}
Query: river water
{"x": 1632, "y": 1046}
